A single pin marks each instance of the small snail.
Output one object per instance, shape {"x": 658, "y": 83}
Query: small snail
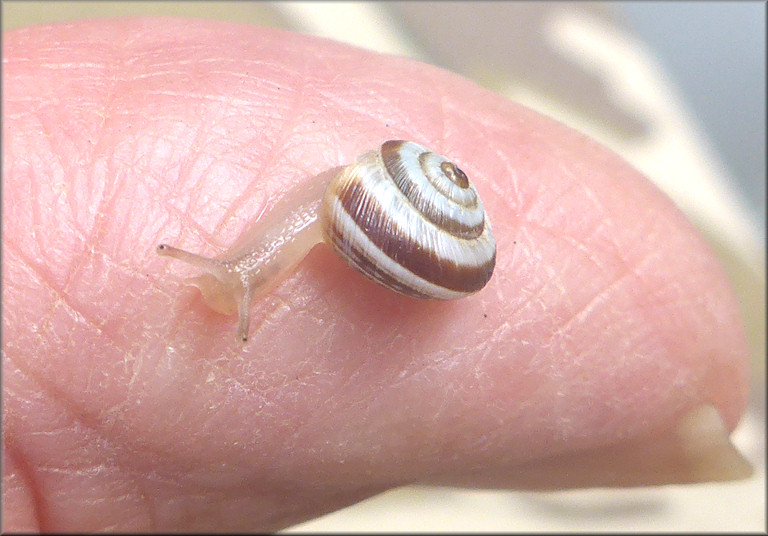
{"x": 404, "y": 216}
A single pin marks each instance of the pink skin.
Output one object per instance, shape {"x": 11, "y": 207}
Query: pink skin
{"x": 129, "y": 405}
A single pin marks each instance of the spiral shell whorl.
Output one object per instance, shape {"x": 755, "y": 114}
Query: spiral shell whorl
{"x": 411, "y": 220}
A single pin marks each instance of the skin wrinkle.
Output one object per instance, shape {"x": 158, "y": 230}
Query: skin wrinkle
{"x": 287, "y": 386}
{"x": 26, "y": 474}
{"x": 590, "y": 250}
{"x": 61, "y": 296}
{"x": 467, "y": 115}
{"x": 445, "y": 447}
{"x": 198, "y": 194}
{"x": 442, "y": 130}
{"x": 601, "y": 295}
{"x": 76, "y": 414}
{"x": 226, "y": 100}
{"x": 369, "y": 398}
{"x": 73, "y": 471}
{"x": 83, "y": 234}
{"x": 428, "y": 366}
{"x": 408, "y": 123}
{"x": 273, "y": 158}
{"x": 67, "y": 66}
{"x": 33, "y": 476}
{"x": 578, "y": 245}
{"x": 600, "y": 260}
{"x": 37, "y": 210}
{"x": 273, "y": 161}
{"x": 305, "y": 426}
{"x": 426, "y": 363}
{"x": 49, "y": 390}
{"x": 531, "y": 297}
{"x": 365, "y": 110}
{"x": 112, "y": 193}
{"x": 133, "y": 480}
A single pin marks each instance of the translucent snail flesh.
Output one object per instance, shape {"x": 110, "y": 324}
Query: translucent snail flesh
{"x": 403, "y": 216}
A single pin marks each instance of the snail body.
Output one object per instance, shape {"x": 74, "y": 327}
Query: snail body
{"x": 402, "y": 215}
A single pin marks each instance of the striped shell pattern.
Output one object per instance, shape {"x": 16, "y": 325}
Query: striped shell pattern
{"x": 410, "y": 219}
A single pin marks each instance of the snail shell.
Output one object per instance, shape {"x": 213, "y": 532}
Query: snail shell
{"x": 404, "y": 216}
{"x": 410, "y": 219}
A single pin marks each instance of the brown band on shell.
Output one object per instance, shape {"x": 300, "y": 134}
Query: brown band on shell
{"x": 363, "y": 264}
{"x": 422, "y": 261}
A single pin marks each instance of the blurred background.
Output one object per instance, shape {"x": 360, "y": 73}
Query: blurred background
{"x": 677, "y": 88}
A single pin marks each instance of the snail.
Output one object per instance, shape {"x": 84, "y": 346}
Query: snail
{"x": 404, "y": 216}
